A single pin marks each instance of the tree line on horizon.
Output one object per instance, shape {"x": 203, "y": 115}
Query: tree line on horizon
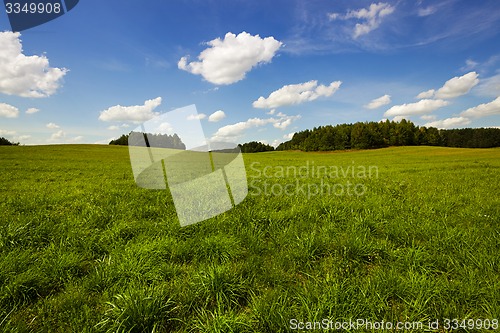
{"x": 370, "y": 135}
{"x": 5, "y": 142}
{"x": 152, "y": 140}
{"x": 367, "y": 135}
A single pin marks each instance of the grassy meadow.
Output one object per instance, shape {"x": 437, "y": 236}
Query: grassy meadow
{"x": 84, "y": 249}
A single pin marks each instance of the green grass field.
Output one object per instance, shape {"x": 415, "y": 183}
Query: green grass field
{"x": 83, "y": 249}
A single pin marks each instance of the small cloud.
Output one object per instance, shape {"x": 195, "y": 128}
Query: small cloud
{"x": 32, "y": 110}
{"x": 421, "y": 107}
{"x": 231, "y": 133}
{"x": 428, "y": 117}
{"x": 228, "y": 60}
{"x": 378, "y": 102}
{"x": 426, "y": 94}
{"x": 449, "y": 123}
{"x": 399, "y": 118}
{"x": 199, "y": 116}
{"x": 454, "y": 87}
{"x": 57, "y": 136}
{"x": 426, "y": 11}
{"x": 333, "y": 16}
{"x": 469, "y": 65}
{"x": 7, "y": 133}
{"x": 165, "y": 128}
{"x": 217, "y": 116}
{"x": 52, "y": 126}
{"x": 136, "y": 113}
{"x": 288, "y": 136}
{"x": 113, "y": 128}
{"x": 24, "y": 137}
{"x": 75, "y": 139}
{"x": 125, "y": 126}
{"x": 296, "y": 94}
{"x": 483, "y": 110}
{"x": 458, "y": 86}
{"x": 8, "y": 111}
{"x": 370, "y": 17}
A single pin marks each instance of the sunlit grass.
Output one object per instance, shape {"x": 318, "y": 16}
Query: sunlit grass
{"x": 83, "y": 249}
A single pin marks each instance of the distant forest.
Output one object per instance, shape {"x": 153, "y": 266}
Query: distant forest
{"x": 5, "y": 142}
{"x": 152, "y": 140}
{"x": 389, "y": 133}
{"x": 360, "y": 135}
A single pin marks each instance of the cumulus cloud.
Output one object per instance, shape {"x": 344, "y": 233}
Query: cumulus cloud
{"x": 458, "y": 86}
{"x": 217, "y": 116}
{"x": 421, "y": 107}
{"x": 449, "y": 123}
{"x": 7, "y": 133}
{"x": 32, "y": 110}
{"x": 233, "y": 132}
{"x": 370, "y": 17}
{"x": 426, "y": 94}
{"x": 378, "y": 102}
{"x": 52, "y": 126}
{"x": 288, "y": 136}
{"x": 454, "y": 87}
{"x": 198, "y": 116}
{"x": 8, "y": 111}
{"x": 113, "y": 128}
{"x": 57, "y": 136}
{"x": 296, "y": 94}
{"x": 228, "y": 60}
{"x": 136, "y": 113}
{"x": 26, "y": 76}
{"x": 483, "y": 110}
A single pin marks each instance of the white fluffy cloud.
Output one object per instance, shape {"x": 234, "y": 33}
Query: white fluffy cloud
{"x": 428, "y": 117}
{"x": 233, "y": 132}
{"x": 198, "y": 116}
{"x": 378, "y": 102}
{"x": 228, "y": 60}
{"x": 449, "y": 123}
{"x": 8, "y": 111}
{"x": 426, "y": 94}
{"x": 7, "y": 133}
{"x": 483, "y": 110}
{"x": 454, "y": 87}
{"x": 52, "y": 126}
{"x": 32, "y": 110}
{"x": 25, "y": 76}
{"x": 421, "y": 107}
{"x": 288, "y": 136}
{"x": 296, "y": 94}
{"x": 113, "y": 128}
{"x": 136, "y": 113}
{"x": 57, "y": 136}
{"x": 217, "y": 116}
{"x": 371, "y": 17}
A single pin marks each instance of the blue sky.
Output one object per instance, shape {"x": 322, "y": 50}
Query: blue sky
{"x": 256, "y": 70}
